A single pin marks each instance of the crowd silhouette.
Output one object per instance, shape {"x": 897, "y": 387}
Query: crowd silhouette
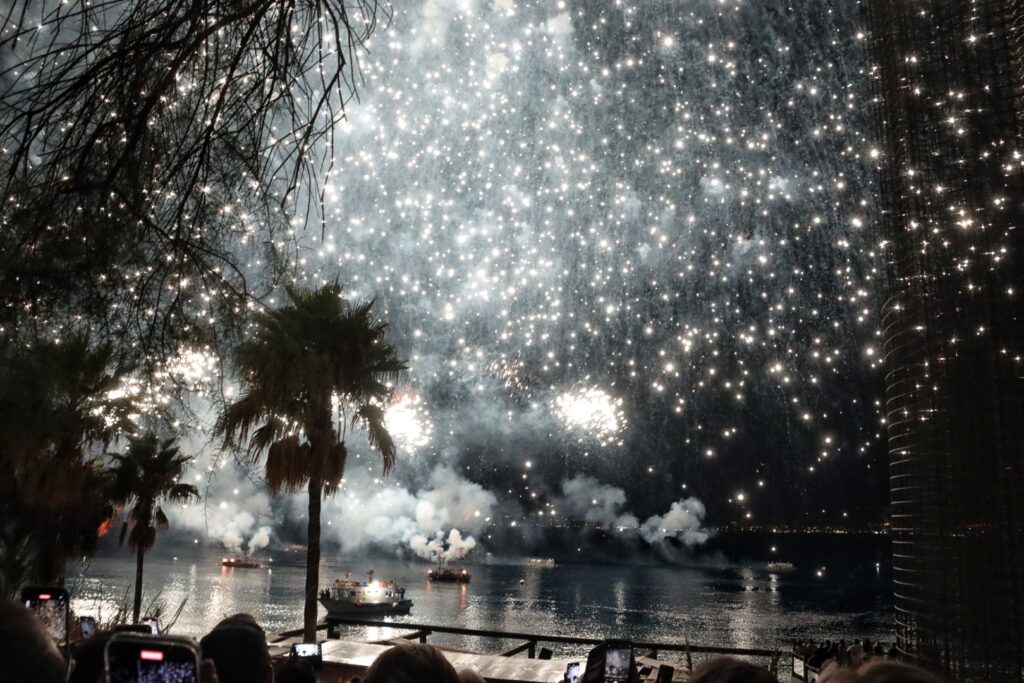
{"x": 236, "y": 651}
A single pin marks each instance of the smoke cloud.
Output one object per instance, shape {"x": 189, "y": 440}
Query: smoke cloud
{"x": 439, "y": 549}
{"x": 600, "y": 504}
{"x": 682, "y": 521}
{"x": 434, "y": 522}
{"x": 234, "y": 520}
{"x": 260, "y": 540}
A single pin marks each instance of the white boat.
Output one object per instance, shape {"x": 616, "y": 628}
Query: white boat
{"x": 781, "y": 566}
{"x": 350, "y": 598}
{"x": 541, "y": 562}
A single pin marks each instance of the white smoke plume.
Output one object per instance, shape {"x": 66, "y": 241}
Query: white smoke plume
{"x": 432, "y": 522}
{"x": 231, "y": 520}
{"x": 233, "y": 510}
{"x": 439, "y": 549}
{"x": 259, "y": 540}
{"x": 597, "y": 503}
{"x": 682, "y": 521}
{"x": 601, "y": 504}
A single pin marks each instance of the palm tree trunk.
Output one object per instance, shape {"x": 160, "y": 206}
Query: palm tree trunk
{"x": 137, "y": 606}
{"x": 312, "y": 561}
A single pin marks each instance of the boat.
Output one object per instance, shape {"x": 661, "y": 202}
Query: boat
{"x": 781, "y": 566}
{"x": 448, "y": 575}
{"x": 349, "y": 598}
{"x": 240, "y": 563}
{"x": 541, "y": 562}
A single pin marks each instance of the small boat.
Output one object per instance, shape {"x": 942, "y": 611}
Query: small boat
{"x": 781, "y": 566}
{"x": 448, "y": 575}
{"x": 348, "y": 598}
{"x": 240, "y": 563}
{"x": 541, "y": 562}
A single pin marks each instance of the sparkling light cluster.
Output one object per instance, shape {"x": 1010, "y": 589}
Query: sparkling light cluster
{"x": 593, "y": 414}
{"x": 575, "y": 212}
{"x": 626, "y": 208}
{"x": 408, "y": 422}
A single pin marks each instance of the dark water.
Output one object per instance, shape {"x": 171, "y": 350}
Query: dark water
{"x": 737, "y": 603}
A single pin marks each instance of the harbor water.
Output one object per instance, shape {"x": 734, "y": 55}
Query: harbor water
{"x": 735, "y": 604}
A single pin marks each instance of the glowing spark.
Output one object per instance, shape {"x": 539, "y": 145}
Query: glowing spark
{"x": 409, "y": 423}
{"x": 593, "y": 412}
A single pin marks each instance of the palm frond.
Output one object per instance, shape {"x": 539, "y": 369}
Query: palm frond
{"x": 334, "y": 468}
{"x": 372, "y": 418}
{"x": 287, "y": 467}
{"x": 265, "y": 435}
{"x": 182, "y": 493}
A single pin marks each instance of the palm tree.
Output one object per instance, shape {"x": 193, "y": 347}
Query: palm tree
{"x": 311, "y": 369}
{"x": 57, "y": 410}
{"x": 147, "y": 476}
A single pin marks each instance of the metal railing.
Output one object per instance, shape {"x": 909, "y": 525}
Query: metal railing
{"x": 420, "y": 632}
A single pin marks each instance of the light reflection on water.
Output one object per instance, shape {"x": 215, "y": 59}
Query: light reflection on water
{"x": 744, "y": 607}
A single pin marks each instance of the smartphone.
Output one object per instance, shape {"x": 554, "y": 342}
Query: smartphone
{"x": 88, "y": 626}
{"x": 50, "y": 605}
{"x": 798, "y": 667}
{"x": 617, "y": 663}
{"x": 154, "y": 627}
{"x": 137, "y": 658}
{"x": 572, "y": 673}
{"x": 310, "y": 653}
{"x": 665, "y": 674}
{"x": 611, "y": 662}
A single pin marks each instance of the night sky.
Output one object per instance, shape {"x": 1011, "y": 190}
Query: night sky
{"x": 629, "y": 240}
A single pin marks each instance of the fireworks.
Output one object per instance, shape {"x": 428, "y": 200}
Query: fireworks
{"x": 592, "y": 413}
{"x": 512, "y": 373}
{"x": 678, "y": 202}
{"x": 192, "y": 368}
{"x": 409, "y": 423}
{"x": 688, "y": 219}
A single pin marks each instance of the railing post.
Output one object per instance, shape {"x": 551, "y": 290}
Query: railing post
{"x": 531, "y": 651}
{"x": 423, "y": 636}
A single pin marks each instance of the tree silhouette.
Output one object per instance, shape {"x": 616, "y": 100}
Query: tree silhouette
{"x": 152, "y": 147}
{"x": 58, "y": 411}
{"x": 307, "y": 363}
{"x": 146, "y": 476}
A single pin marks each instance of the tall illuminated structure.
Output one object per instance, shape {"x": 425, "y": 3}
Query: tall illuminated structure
{"x": 949, "y": 78}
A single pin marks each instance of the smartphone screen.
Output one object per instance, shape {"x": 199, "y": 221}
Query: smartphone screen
{"x": 134, "y": 658}
{"x": 88, "y": 626}
{"x": 665, "y": 674}
{"x": 616, "y": 665}
{"x": 50, "y": 605}
{"x": 798, "y": 667}
{"x": 306, "y": 649}
{"x": 572, "y": 673}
